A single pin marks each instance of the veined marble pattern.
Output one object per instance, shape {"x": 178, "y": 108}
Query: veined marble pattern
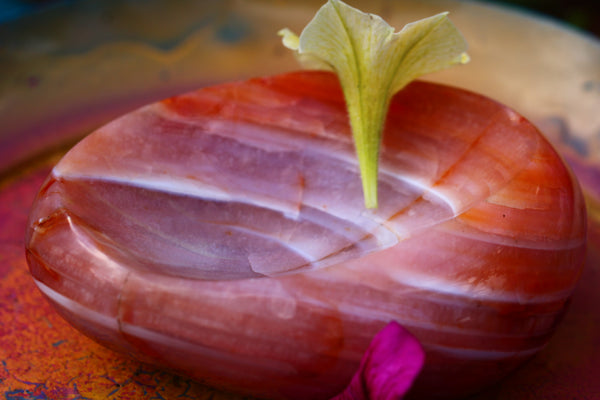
{"x": 222, "y": 233}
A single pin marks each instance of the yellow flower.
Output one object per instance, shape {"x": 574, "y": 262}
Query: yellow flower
{"x": 373, "y": 63}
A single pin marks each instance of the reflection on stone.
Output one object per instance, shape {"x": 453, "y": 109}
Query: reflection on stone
{"x": 222, "y": 233}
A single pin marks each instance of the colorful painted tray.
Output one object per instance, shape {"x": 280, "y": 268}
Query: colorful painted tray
{"x": 66, "y": 71}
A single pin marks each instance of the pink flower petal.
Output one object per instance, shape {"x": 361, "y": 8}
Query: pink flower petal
{"x": 388, "y": 368}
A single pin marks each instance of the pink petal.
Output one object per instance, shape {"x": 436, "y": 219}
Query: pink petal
{"x": 388, "y": 368}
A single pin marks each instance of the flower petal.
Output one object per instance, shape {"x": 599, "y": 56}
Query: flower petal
{"x": 373, "y": 63}
{"x": 388, "y": 367}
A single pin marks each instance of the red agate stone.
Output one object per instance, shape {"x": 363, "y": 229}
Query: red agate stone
{"x": 222, "y": 234}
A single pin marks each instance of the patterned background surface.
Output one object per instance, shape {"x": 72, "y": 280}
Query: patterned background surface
{"x": 583, "y": 14}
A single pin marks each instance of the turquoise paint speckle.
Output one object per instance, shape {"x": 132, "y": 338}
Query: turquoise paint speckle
{"x": 233, "y": 30}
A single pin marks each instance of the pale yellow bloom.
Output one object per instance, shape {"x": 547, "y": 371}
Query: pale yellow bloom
{"x": 373, "y": 63}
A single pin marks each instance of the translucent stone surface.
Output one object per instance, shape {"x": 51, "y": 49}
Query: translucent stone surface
{"x": 223, "y": 233}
